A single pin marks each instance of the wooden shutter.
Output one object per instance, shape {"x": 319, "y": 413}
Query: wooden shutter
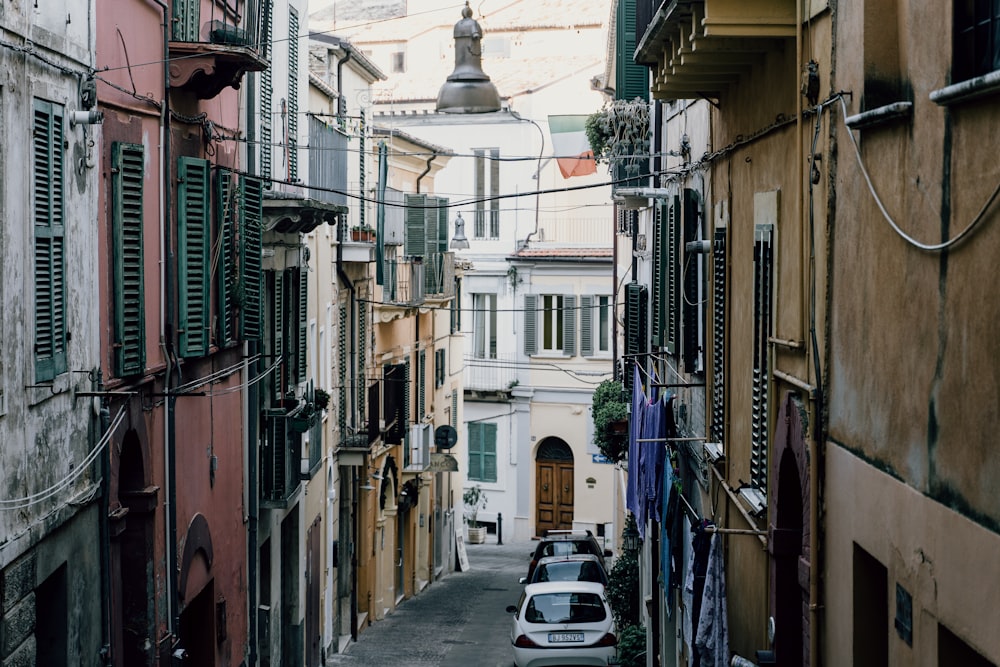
{"x": 187, "y": 20}
{"x": 440, "y": 372}
{"x": 266, "y": 98}
{"x": 489, "y": 452}
{"x": 632, "y": 79}
{"x": 362, "y": 353}
{"x": 660, "y": 264}
{"x": 342, "y": 335}
{"x": 193, "y": 257}
{"x": 476, "y": 451}
{"x": 691, "y": 303}
{"x": 717, "y": 425}
{"x": 414, "y": 242}
{"x": 250, "y": 255}
{"x": 227, "y": 212}
{"x": 635, "y": 319}
{"x": 494, "y": 193}
{"x": 302, "y": 347}
{"x": 479, "y": 225}
{"x": 50, "y": 279}
{"x": 587, "y": 325}
{"x": 443, "y": 224}
{"x": 672, "y": 278}
{"x": 569, "y": 317}
{"x": 530, "y": 324}
{"x": 294, "y": 44}
{"x": 127, "y": 178}
{"x": 278, "y": 318}
{"x": 421, "y": 385}
{"x": 454, "y": 409}
{"x": 762, "y": 292}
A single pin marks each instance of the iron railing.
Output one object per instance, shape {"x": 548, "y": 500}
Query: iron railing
{"x": 221, "y": 22}
{"x": 489, "y": 374}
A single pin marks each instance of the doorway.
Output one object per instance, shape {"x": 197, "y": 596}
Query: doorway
{"x": 554, "y": 486}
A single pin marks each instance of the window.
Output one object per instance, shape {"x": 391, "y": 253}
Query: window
{"x": 482, "y": 452}
{"x": 238, "y": 202}
{"x": 595, "y": 325}
{"x": 556, "y": 333}
{"x": 294, "y": 44}
{"x": 399, "y": 61}
{"x": 976, "y": 39}
{"x": 440, "y": 372}
{"x": 636, "y": 309}
{"x": 487, "y": 185}
{"x": 763, "y": 276}
{"x": 50, "y": 279}
{"x": 871, "y": 610}
{"x": 484, "y": 326}
{"x": 456, "y": 307}
{"x": 129, "y": 328}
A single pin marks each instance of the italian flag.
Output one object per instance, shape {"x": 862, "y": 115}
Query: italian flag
{"x": 570, "y": 145}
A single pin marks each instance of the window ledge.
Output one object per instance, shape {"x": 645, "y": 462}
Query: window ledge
{"x": 980, "y": 86}
{"x": 880, "y": 115}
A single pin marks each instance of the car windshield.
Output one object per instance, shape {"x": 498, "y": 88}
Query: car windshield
{"x": 565, "y": 608}
{"x": 571, "y": 570}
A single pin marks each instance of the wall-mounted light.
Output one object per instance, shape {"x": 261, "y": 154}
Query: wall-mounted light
{"x": 91, "y": 117}
{"x": 459, "y": 241}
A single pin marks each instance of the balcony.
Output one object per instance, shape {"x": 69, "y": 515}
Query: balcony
{"x": 353, "y": 449}
{"x": 355, "y": 248}
{"x": 489, "y": 375}
{"x": 404, "y": 282}
{"x": 583, "y": 232}
{"x": 215, "y": 42}
{"x": 701, "y": 47}
{"x": 327, "y": 163}
{"x": 280, "y": 453}
{"x": 439, "y": 275}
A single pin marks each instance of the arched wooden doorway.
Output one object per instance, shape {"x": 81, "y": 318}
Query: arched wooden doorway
{"x": 789, "y": 528}
{"x": 554, "y": 486}
{"x": 133, "y": 555}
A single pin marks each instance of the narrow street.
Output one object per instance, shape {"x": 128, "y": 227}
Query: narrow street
{"x": 455, "y": 622}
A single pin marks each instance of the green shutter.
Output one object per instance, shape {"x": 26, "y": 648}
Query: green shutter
{"x": 407, "y": 407}
{"x": 475, "y": 451}
{"x": 691, "y": 324}
{"x": 635, "y": 318}
{"x": 362, "y": 356}
{"x": 193, "y": 255}
{"x": 717, "y": 427}
{"x": 586, "y": 325}
{"x": 672, "y": 278}
{"x": 294, "y": 44}
{"x": 530, "y": 324}
{"x": 443, "y": 223}
{"x": 266, "y": 97}
{"x": 454, "y": 408}
{"x": 569, "y": 325}
{"x": 421, "y": 385}
{"x": 187, "y": 20}
{"x": 50, "y": 280}
{"x": 227, "y": 204}
{"x": 479, "y": 224}
{"x": 631, "y": 80}
{"x": 250, "y": 256}
{"x": 659, "y": 273}
{"x": 342, "y": 372}
{"x": 414, "y": 243}
{"x": 278, "y": 332}
{"x": 762, "y": 292}
{"x": 494, "y": 192}
{"x": 127, "y": 178}
{"x": 489, "y": 449}
{"x": 302, "y": 350}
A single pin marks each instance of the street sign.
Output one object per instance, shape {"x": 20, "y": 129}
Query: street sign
{"x": 442, "y": 463}
{"x": 445, "y": 437}
{"x": 599, "y": 458}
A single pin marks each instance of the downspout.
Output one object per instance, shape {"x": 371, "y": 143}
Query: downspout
{"x": 615, "y": 290}
{"x": 166, "y": 338}
{"x": 426, "y": 171}
{"x": 105, "y": 531}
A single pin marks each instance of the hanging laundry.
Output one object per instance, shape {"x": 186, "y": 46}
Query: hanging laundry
{"x": 635, "y": 428}
{"x": 712, "y": 637}
{"x": 701, "y": 546}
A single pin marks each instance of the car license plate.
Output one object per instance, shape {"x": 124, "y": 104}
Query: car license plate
{"x": 562, "y": 637}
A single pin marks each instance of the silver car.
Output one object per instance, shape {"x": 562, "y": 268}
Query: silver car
{"x": 563, "y": 622}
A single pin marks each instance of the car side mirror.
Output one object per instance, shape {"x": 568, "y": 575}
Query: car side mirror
{"x": 511, "y": 609}
{"x": 522, "y": 580}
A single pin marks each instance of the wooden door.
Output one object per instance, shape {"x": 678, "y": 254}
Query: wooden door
{"x": 554, "y": 491}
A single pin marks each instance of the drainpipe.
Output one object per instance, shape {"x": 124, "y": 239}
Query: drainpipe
{"x": 105, "y": 532}
{"x": 425, "y": 171}
{"x": 166, "y": 337}
{"x": 614, "y": 287}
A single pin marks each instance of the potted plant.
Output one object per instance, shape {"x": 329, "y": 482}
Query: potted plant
{"x": 610, "y": 413}
{"x": 475, "y": 500}
{"x": 304, "y": 419}
{"x": 362, "y": 233}
{"x": 321, "y": 399}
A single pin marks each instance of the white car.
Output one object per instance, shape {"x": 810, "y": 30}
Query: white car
{"x": 562, "y": 623}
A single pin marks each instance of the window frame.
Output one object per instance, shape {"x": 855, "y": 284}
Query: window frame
{"x": 484, "y": 328}
{"x": 486, "y": 185}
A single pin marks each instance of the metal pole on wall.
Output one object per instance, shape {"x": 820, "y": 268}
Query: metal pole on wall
{"x": 499, "y": 528}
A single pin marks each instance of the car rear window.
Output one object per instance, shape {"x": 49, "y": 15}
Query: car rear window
{"x": 568, "y": 548}
{"x": 570, "y": 571}
{"x": 565, "y": 608}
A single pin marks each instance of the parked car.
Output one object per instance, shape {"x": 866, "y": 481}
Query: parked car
{"x": 575, "y": 567}
{"x": 563, "y": 622}
{"x": 565, "y": 543}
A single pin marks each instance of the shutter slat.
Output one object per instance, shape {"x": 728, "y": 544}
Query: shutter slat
{"x": 193, "y": 255}
{"x": 128, "y": 175}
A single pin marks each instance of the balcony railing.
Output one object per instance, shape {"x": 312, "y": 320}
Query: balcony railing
{"x": 404, "y": 281}
{"x": 593, "y": 232}
{"x": 439, "y": 275}
{"x": 215, "y": 42}
{"x": 489, "y": 374}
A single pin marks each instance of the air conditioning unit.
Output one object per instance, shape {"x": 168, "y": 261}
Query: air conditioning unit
{"x": 755, "y": 500}
{"x": 714, "y": 452}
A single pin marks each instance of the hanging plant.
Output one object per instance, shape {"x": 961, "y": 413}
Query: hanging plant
{"x": 619, "y": 134}
{"x": 610, "y": 412}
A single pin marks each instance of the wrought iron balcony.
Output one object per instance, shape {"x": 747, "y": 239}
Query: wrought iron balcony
{"x": 215, "y": 42}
